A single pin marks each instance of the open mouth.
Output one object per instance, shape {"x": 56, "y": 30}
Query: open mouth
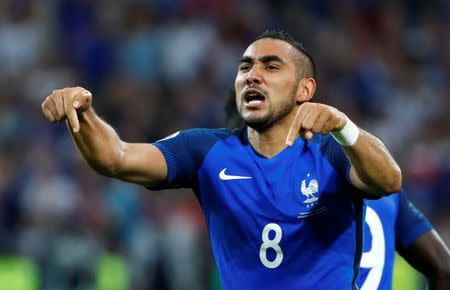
{"x": 253, "y": 97}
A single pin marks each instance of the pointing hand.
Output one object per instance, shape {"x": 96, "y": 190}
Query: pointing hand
{"x": 67, "y": 103}
{"x": 314, "y": 118}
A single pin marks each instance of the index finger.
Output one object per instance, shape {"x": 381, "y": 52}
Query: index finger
{"x": 295, "y": 127}
{"x": 71, "y": 114}
{"x": 72, "y": 117}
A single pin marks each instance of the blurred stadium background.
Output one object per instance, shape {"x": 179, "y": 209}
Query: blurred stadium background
{"x": 159, "y": 66}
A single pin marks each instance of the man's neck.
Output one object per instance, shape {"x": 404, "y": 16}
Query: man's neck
{"x": 273, "y": 140}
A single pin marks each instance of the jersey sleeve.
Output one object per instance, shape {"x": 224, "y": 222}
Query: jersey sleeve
{"x": 184, "y": 152}
{"x": 410, "y": 223}
{"x": 333, "y": 152}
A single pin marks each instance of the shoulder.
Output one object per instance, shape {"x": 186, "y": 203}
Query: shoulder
{"x": 411, "y": 223}
{"x": 195, "y": 142}
{"x": 196, "y": 136}
{"x": 218, "y": 133}
{"x": 184, "y": 152}
{"x": 202, "y": 136}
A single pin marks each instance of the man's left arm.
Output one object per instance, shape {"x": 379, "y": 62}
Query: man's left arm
{"x": 373, "y": 169}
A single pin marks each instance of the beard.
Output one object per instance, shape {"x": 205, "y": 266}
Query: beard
{"x": 273, "y": 115}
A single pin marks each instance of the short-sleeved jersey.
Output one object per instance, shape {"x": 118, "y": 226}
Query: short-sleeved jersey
{"x": 293, "y": 221}
{"x": 391, "y": 223}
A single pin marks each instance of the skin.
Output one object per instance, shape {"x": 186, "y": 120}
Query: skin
{"x": 430, "y": 256}
{"x": 99, "y": 144}
{"x": 284, "y": 115}
{"x": 271, "y": 66}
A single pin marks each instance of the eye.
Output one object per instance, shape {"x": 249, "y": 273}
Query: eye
{"x": 244, "y": 67}
{"x": 270, "y": 67}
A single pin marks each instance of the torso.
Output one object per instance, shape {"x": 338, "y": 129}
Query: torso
{"x": 288, "y": 222}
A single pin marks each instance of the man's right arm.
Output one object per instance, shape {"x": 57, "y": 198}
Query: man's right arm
{"x": 99, "y": 144}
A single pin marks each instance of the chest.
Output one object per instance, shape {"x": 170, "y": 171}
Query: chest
{"x": 290, "y": 187}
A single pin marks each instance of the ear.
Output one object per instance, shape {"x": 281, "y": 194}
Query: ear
{"x": 306, "y": 89}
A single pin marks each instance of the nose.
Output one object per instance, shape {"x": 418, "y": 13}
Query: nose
{"x": 254, "y": 76}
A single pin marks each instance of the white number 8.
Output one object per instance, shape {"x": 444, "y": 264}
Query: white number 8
{"x": 274, "y": 244}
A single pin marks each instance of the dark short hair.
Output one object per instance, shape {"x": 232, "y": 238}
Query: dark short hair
{"x": 308, "y": 61}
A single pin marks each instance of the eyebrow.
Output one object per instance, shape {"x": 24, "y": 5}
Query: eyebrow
{"x": 263, "y": 59}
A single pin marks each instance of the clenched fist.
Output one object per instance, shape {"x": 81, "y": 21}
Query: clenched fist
{"x": 314, "y": 118}
{"x": 67, "y": 104}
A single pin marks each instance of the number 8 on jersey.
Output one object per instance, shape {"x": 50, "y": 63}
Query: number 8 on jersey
{"x": 271, "y": 243}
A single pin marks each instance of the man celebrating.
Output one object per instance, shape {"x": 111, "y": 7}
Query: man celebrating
{"x": 283, "y": 212}
{"x": 392, "y": 223}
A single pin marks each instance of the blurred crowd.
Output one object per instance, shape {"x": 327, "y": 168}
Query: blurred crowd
{"x": 158, "y": 66}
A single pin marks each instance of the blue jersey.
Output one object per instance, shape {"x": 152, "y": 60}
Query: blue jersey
{"x": 293, "y": 221}
{"x": 391, "y": 223}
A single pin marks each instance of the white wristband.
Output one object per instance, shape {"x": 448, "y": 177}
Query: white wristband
{"x": 348, "y": 135}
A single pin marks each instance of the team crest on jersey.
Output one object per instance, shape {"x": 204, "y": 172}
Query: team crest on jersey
{"x": 309, "y": 190}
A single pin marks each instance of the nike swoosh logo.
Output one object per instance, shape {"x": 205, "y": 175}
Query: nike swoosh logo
{"x": 224, "y": 176}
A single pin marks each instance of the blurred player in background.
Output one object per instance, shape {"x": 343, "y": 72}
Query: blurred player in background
{"x": 283, "y": 212}
{"x": 393, "y": 223}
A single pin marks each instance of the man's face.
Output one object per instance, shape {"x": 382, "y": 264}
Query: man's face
{"x": 266, "y": 83}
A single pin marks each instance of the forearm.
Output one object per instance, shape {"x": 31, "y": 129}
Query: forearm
{"x": 99, "y": 144}
{"x": 373, "y": 165}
